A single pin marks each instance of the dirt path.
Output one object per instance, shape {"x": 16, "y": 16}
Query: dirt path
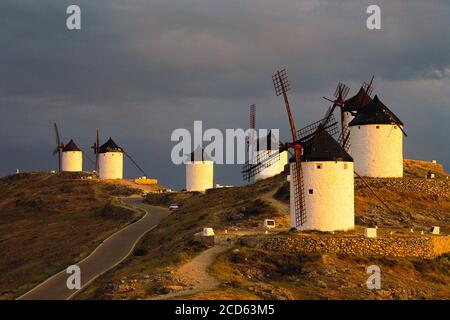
{"x": 195, "y": 273}
{"x": 269, "y": 197}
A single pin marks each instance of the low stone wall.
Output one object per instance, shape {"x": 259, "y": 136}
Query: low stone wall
{"x": 427, "y": 247}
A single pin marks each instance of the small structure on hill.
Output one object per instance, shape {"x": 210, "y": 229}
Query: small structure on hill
{"x": 435, "y": 230}
{"x": 208, "y": 232}
{"x": 370, "y": 232}
{"x": 269, "y": 223}
{"x": 199, "y": 171}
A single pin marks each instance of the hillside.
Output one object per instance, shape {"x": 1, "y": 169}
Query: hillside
{"x": 246, "y": 273}
{"x": 50, "y": 220}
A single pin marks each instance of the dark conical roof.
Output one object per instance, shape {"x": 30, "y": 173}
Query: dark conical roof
{"x": 109, "y": 146}
{"x": 269, "y": 142}
{"x": 355, "y": 103}
{"x": 323, "y": 147}
{"x": 375, "y": 113}
{"x": 198, "y": 154}
{"x": 71, "y": 146}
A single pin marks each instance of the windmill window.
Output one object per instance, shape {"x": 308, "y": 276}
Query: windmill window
{"x": 359, "y": 127}
{"x": 345, "y": 166}
{"x": 319, "y": 166}
{"x": 395, "y": 127}
{"x": 378, "y": 127}
{"x": 311, "y": 191}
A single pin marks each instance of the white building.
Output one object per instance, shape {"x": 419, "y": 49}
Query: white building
{"x": 267, "y": 147}
{"x": 377, "y": 141}
{"x": 71, "y": 158}
{"x": 110, "y": 161}
{"x": 199, "y": 171}
{"x": 328, "y": 186}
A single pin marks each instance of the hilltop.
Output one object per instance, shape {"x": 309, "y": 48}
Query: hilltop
{"x": 48, "y": 221}
{"x": 252, "y": 273}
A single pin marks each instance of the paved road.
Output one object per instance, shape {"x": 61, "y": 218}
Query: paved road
{"x": 106, "y": 256}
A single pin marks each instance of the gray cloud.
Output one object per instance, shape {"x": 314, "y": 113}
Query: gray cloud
{"x": 139, "y": 69}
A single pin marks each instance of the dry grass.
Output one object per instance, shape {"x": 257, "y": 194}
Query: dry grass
{"x": 256, "y": 274}
{"x": 48, "y": 221}
{"x": 272, "y": 275}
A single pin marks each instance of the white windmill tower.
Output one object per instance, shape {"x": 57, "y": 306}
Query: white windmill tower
{"x": 199, "y": 171}
{"x": 265, "y": 147}
{"x": 110, "y": 160}
{"x": 268, "y": 146}
{"x": 70, "y": 156}
{"x": 328, "y": 185}
{"x": 377, "y": 141}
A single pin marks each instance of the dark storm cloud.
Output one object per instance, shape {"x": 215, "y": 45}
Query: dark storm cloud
{"x": 139, "y": 69}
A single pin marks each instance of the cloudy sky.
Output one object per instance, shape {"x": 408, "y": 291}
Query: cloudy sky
{"x": 140, "y": 69}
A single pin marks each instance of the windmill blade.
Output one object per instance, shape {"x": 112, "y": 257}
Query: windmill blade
{"x": 344, "y": 139}
{"x": 341, "y": 91}
{"x": 95, "y": 146}
{"x": 59, "y": 146}
{"x": 368, "y": 88}
{"x": 391, "y": 118}
{"x": 263, "y": 161}
{"x": 299, "y": 191}
{"x": 328, "y": 123}
{"x": 135, "y": 163}
{"x": 340, "y": 94}
{"x": 58, "y": 140}
{"x": 251, "y": 138}
{"x": 373, "y": 191}
{"x": 282, "y": 86}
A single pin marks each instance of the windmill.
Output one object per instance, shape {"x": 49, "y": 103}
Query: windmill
{"x": 59, "y": 146}
{"x": 69, "y": 154}
{"x": 340, "y": 94}
{"x": 361, "y": 98}
{"x": 301, "y": 138}
{"x": 106, "y": 165}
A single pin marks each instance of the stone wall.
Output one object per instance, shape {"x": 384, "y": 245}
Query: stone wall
{"x": 396, "y": 246}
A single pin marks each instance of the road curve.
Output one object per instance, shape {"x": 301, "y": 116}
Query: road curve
{"x": 107, "y": 255}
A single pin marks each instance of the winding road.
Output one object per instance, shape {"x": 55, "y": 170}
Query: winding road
{"x": 106, "y": 256}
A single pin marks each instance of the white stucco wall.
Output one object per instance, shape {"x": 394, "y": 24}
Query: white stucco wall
{"x": 377, "y": 150}
{"x": 72, "y": 161}
{"x": 331, "y": 206}
{"x": 199, "y": 175}
{"x": 110, "y": 165}
{"x": 275, "y": 168}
